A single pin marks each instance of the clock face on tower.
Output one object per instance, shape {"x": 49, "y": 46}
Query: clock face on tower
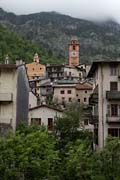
{"x": 73, "y": 54}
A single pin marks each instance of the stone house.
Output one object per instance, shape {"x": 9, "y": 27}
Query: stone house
{"x": 64, "y": 91}
{"x": 83, "y": 92}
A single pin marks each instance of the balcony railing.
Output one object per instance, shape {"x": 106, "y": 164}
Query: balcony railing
{"x": 113, "y": 95}
{"x": 113, "y": 119}
{"x": 6, "y": 97}
{"x": 93, "y": 98}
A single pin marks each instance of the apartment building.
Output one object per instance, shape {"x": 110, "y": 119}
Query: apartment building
{"x": 14, "y": 95}
{"x": 105, "y": 100}
{"x": 55, "y": 71}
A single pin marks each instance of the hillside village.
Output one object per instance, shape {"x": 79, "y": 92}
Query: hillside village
{"x": 35, "y": 93}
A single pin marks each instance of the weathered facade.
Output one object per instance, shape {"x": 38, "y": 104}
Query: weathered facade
{"x": 105, "y": 100}
{"x": 83, "y": 92}
{"x": 44, "y": 115}
{"x": 64, "y": 91}
{"x": 32, "y": 100}
{"x": 55, "y": 71}
{"x": 14, "y": 94}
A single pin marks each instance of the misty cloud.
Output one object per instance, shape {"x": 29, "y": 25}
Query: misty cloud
{"x": 85, "y": 9}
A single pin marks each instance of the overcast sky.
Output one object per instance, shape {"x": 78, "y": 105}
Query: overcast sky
{"x": 85, "y": 9}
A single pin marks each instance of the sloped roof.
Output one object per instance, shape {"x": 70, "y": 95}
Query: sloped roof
{"x": 96, "y": 63}
{"x": 83, "y": 87}
{"x": 46, "y": 106}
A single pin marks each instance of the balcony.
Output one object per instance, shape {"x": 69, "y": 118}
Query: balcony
{"x": 94, "y": 119}
{"x": 113, "y": 95}
{"x": 6, "y": 97}
{"x": 113, "y": 119}
{"x": 93, "y": 98}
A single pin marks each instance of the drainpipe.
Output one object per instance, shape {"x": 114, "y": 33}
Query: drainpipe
{"x": 101, "y": 109}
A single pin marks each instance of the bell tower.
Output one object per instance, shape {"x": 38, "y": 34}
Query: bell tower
{"x": 36, "y": 58}
{"x": 74, "y": 48}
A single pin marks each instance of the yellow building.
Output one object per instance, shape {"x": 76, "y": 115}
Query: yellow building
{"x": 35, "y": 69}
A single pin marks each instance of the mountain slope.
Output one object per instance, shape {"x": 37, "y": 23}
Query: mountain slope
{"x": 18, "y": 47}
{"x": 53, "y": 31}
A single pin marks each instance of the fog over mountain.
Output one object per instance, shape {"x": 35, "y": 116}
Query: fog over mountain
{"x": 84, "y": 9}
{"x": 53, "y": 32}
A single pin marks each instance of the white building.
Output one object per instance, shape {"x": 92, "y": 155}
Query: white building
{"x": 44, "y": 115}
{"x": 14, "y": 94}
{"x": 106, "y": 99}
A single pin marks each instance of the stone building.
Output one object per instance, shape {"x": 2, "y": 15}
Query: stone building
{"x": 105, "y": 100}
{"x": 83, "y": 92}
{"x": 64, "y": 91}
{"x": 14, "y": 95}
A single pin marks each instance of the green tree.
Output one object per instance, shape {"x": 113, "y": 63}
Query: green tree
{"x": 28, "y": 154}
{"x": 106, "y": 163}
{"x": 69, "y": 125}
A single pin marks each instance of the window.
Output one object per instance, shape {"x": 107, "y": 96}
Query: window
{"x": 63, "y": 98}
{"x": 80, "y": 75}
{"x": 113, "y": 86}
{"x": 113, "y": 70}
{"x": 70, "y": 99}
{"x": 78, "y": 100}
{"x": 70, "y": 74}
{"x": 73, "y": 47}
{"x": 50, "y": 124}
{"x": 114, "y": 132}
{"x": 62, "y": 92}
{"x": 86, "y": 92}
{"x": 69, "y": 91}
{"x": 85, "y": 99}
{"x": 114, "y": 109}
{"x": 36, "y": 121}
{"x": 86, "y": 122}
{"x": 76, "y": 94}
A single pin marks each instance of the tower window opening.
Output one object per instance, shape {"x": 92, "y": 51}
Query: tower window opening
{"x": 73, "y": 47}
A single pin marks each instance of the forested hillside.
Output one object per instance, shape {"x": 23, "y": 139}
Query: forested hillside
{"x": 18, "y": 47}
{"x": 53, "y": 31}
